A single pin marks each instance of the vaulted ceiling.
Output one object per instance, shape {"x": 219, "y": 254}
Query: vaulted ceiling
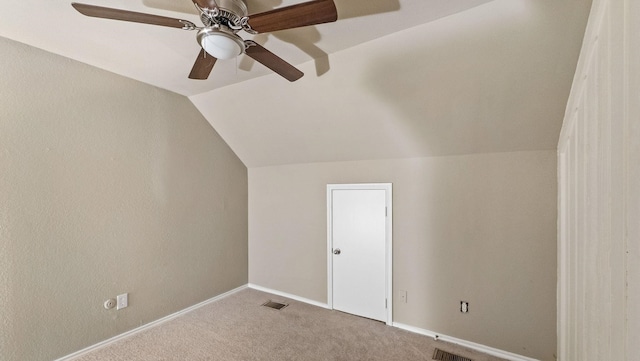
{"x": 389, "y": 79}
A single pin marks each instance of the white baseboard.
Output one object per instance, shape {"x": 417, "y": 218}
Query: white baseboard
{"x": 288, "y": 295}
{"x": 148, "y": 325}
{"x": 472, "y": 345}
{"x": 468, "y": 344}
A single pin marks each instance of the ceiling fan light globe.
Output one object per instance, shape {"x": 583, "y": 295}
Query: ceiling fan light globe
{"x": 221, "y": 45}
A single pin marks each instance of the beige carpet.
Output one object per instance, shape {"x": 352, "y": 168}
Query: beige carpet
{"x": 238, "y": 328}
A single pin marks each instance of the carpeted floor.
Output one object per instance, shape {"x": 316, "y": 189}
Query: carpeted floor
{"x": 238, "y": 328}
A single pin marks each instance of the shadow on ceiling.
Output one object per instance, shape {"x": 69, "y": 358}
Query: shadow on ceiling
{"x": 491, "y": 79}
{"x": 346, "y": 8}
{"x": 183, "y": 6}
{"x": 305, "y": 38}
{"x": 357, "y": 8}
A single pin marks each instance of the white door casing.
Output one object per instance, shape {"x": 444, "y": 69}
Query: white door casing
{"x": 359, "y": 225}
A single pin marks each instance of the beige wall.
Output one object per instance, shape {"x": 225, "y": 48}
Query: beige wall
{"x": 632, "y": 47}
{"x": 599, "y": 208}
{"x": 107, "y": 186}
{"x": 480, "y": 228}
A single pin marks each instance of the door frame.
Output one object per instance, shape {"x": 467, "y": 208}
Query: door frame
{"x": 388, "y": 188}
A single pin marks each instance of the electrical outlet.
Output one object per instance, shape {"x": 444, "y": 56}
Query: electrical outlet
{"x": 110, "y": 303}
{"x": 403, "y": 296}
{"x": 123, "y": 301}
{"x": 464, "y": 306}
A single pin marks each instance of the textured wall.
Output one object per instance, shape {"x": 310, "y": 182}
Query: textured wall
{"x": 599, "y": 168}
{"x": 107, "y": 186}
{"x": 480, "y": 228}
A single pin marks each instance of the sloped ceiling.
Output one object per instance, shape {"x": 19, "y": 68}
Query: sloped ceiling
{"x": 390, "y": 79}
{"x": 494, "y": 78}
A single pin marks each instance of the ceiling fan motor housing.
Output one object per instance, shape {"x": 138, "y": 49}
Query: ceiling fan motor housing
{"x": 228, "y": 13}
{"x": 222, "y": 22}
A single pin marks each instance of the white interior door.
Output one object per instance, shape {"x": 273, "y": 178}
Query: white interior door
{"x": 358, "y": 226}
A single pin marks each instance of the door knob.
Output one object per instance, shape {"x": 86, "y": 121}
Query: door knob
{"x": 336, "y": 251}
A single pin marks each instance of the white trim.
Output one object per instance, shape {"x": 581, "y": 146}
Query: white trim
{"x": 329, "y": 252}
{"x": 475, "y": 346}
{"x": 436, "y": 336}
{"x": 388, "y": 188}
{"x": 149, "y": 325}
{"x": 287, "y": 295}
{"x": 468, "y": 344}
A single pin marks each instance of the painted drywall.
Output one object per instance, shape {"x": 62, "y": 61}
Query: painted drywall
{"x": 599, "y": 193}
{"x": 479, "y": 228}
{"x": 494, "y": 78}
{"x": 107, "y": 186}
{"x": 632, "y": 46}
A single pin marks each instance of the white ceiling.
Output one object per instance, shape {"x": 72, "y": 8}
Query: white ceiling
{"x": 389, "y": 79}
{"x": 494, "y": 78}
{"x": 164, "y": 56}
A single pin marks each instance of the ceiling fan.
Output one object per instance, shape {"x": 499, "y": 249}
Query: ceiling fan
{"x": 222, "y": 20}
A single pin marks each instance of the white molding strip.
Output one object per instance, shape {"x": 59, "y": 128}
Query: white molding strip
{"x": 472, "y": 345}
{"x": 148, "y": 325}
{"x": 468, "y": 344}
{"x": 288, "y": 295}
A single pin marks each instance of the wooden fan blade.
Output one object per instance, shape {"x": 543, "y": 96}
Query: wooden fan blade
{"x": 295, "y": 16}
{"x": 117, "y": 14}
{"x": 203, "y": 66}
{"x": 272, "y": 61}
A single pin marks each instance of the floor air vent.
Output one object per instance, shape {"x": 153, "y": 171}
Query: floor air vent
{"x": 446, "y": 356}
{"x": 275, "y": 305}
